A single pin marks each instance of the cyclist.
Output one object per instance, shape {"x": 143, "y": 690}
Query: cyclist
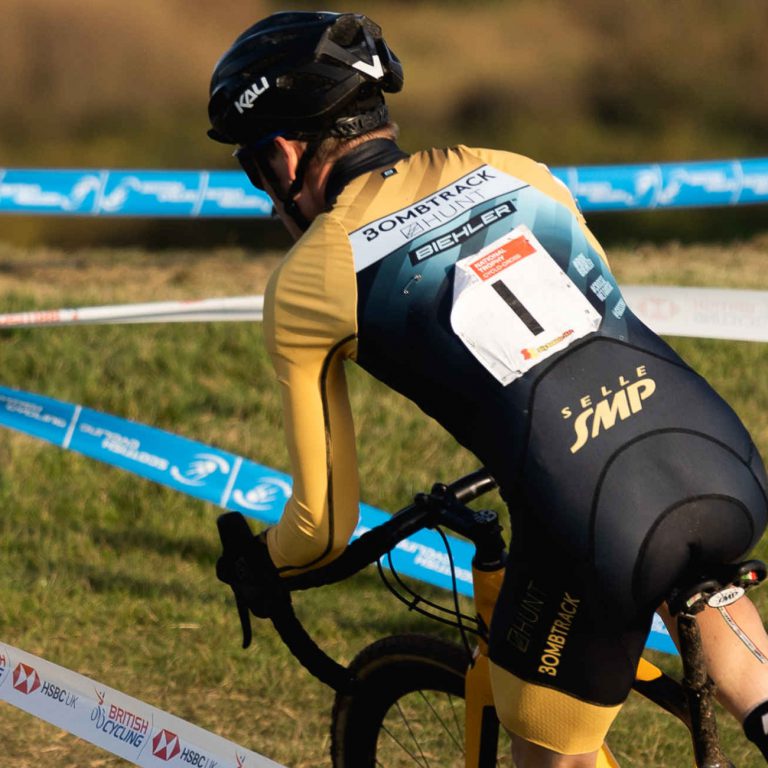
{"x": 467, "y": 280}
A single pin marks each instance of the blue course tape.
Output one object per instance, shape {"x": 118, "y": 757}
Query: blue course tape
{"x": 221, "y": 478}
{"x": 229, "y": 193}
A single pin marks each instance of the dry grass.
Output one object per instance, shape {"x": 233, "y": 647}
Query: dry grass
{"x": 115, "y": 83}
{"x": 99, "y": 569}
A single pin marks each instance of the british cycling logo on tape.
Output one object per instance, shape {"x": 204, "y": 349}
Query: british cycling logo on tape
{"x": 200, "y": 468}
{"x": 264, "y": 495}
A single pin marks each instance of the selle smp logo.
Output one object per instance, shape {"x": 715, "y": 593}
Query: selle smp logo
{"x": 248, "y": 97}
{"x": 600, "y": 416}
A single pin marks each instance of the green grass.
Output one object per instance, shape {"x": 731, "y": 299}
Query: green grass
{"x": 113, "y": 576}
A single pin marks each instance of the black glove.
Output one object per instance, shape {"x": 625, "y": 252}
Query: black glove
{"x": 246, "y": 566}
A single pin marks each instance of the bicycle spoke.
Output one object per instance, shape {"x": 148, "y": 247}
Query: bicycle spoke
{"x": 451, "y": 733}
{"x": 423, "y": 717}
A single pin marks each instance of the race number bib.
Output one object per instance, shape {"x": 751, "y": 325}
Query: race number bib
{"x": 513, "y": 306}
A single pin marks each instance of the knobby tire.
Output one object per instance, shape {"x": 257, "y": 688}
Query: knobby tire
{"x": 407, "y": 709}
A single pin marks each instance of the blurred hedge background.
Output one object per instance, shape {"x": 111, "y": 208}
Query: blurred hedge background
{"x": 107, "y": 83}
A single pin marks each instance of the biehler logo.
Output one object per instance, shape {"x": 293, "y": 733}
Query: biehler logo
{"x": 25, "y": 679}
{"x": 166, "y": 745}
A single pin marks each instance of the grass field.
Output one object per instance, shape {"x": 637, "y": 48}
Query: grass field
{"x": 113, "y": 576}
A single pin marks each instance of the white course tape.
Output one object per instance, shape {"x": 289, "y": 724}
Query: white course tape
{"x": 710, "y": 313}
{"x": 713, "y": 313}
{"x": 233, "y": 308}
{"x": 117, "y": 723}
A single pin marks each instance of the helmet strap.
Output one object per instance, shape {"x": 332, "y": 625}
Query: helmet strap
{"x": 288, "y": 198}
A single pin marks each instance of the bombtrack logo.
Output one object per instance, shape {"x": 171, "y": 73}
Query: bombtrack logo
{"x": 620, "y": 405}
{"x": 432, "y": 211}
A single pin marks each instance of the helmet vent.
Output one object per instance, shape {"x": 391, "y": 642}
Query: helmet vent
{"x": 346, "y": 30}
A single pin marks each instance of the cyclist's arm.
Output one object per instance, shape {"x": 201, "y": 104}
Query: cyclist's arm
{"x": 310, "y": 328}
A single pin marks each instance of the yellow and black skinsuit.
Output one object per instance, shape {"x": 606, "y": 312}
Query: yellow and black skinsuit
{"x": 620, "y": 465}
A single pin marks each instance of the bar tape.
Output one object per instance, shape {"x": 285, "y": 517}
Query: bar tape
{"x": 713, "y": 313}
{"x": 92, "y": 192}
{"x": 119, "y": 724}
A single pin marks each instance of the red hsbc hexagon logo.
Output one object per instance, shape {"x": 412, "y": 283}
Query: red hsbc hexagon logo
{"x": 166, "y": 745}
{"x": 25, "y": 679}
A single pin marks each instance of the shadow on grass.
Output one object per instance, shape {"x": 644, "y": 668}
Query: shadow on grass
{"x": 203, "y": 551}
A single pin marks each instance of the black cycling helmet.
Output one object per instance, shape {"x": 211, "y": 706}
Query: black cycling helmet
{"x": 303, "y": 75}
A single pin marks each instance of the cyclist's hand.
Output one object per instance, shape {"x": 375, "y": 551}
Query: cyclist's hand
{"x": 246, "y": 566}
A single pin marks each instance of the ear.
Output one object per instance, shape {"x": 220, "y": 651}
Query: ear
{"x": 289, "y": 152}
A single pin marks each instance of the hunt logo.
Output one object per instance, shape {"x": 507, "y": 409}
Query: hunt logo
{"x": 165, "y": 745}
{"x": 26, "y": 679}
{"x": 600, "y": 416}
{"x": 458, "y": 235}
{"x": 526, "y": 617}
{"x": 248, "y": 97}
{"x": 430, "y": 212}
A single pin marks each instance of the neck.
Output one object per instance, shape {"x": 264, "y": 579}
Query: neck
{"x": 364, "y": 158}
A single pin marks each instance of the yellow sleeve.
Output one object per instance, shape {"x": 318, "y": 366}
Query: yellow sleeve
{"x": 310, "y": 327}
{"x": 539, "y": 176}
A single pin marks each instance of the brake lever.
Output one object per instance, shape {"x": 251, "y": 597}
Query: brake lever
{"x": 245, "y": 619}
{"x": 232, "y": 567}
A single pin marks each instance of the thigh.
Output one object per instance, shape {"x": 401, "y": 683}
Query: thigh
{"x": 557, "y": 646}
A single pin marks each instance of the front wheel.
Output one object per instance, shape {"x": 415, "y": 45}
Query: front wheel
{"x": 407, "y": 709}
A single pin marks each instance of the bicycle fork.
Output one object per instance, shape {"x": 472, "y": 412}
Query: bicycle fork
{"x": 482, "y": 724}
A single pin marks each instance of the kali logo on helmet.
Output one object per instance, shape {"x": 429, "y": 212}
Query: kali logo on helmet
{"x": 248, "y": 97}
{"x": 166, "y": 745}
{"x": 26, "y": 679}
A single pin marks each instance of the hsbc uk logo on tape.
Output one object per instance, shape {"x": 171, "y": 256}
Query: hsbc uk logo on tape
{"x": 167, "y": 746}
{"x": 27, "y": 680}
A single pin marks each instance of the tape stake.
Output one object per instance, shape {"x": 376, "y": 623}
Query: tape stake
{"x": 117, "y": 723}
